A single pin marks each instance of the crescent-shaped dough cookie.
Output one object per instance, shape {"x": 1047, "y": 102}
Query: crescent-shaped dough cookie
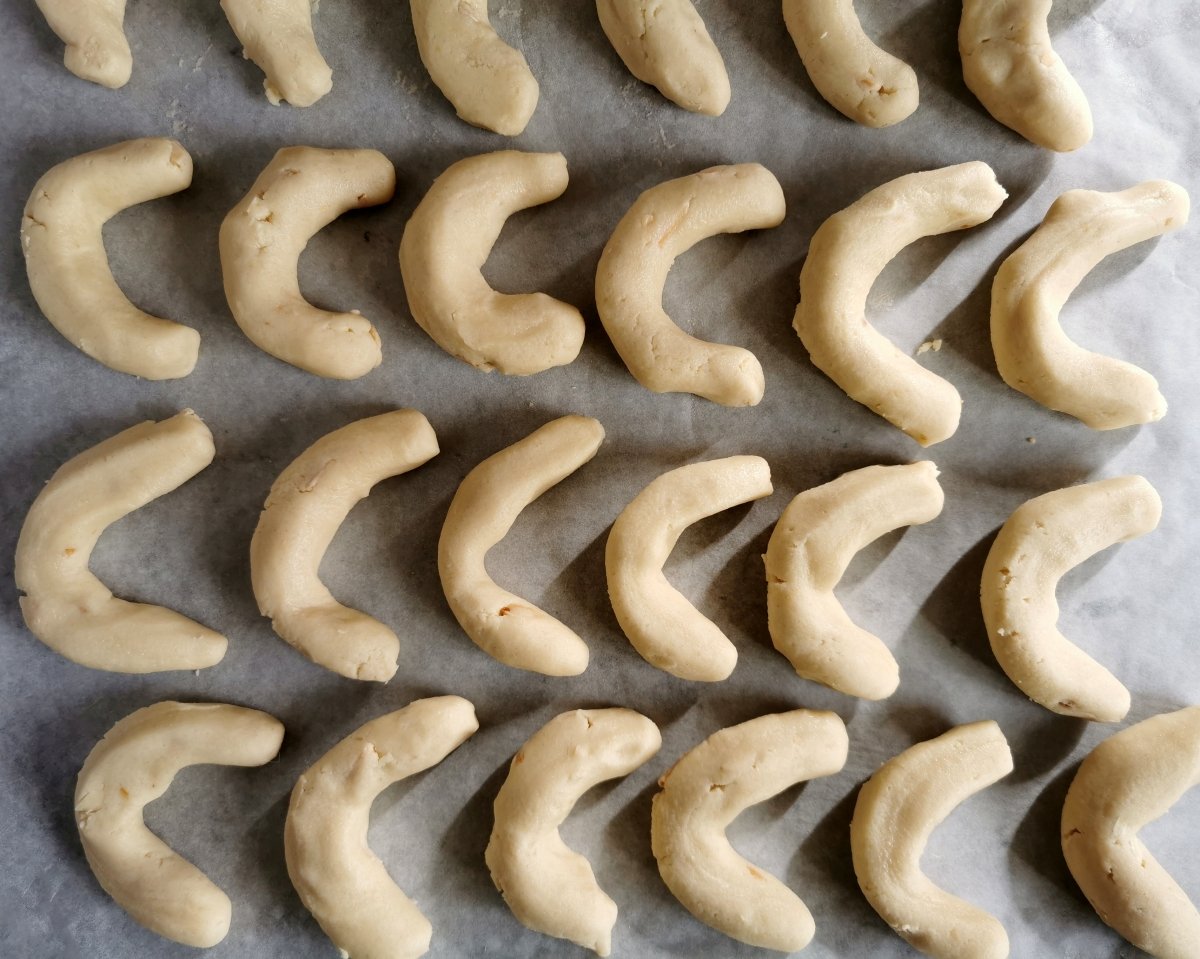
{"x": 1033, "y": 353}
{"x": 845, "y": 256}
{"x": 1037, "y": 545}
{"x": 662, "y": 625}
{"x": 855, "y": 77}
{"x": 65, "y": 605}
{"x": 278, "y": 36}
{"x": 68, "y": 267}
{"x": 1128, "y": 781}
{"x": 447, "y": 241}
{"x": 488, "y": 82}
{"x": 897, "y": 810}
{"x": 94, "y": 34}
{"x": 1009, "y": 64}
{"x": 813, "y": 543}
{"x": 487, "y": 503}
{"x": 665, "y": 43}
{"x": 340, "y": 881}
{"x": 133, "y": 765}
{"x": 548, "y": 886}
{"x": 665, "y": 221}
{"x": 301, "y": 190}
{"x": 306, "y": 506}
{"x": 707, "y": 789}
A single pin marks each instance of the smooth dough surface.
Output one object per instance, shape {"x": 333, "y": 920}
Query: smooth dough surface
{"x": 278, "y": 36}
{"x": 94, "y": 34}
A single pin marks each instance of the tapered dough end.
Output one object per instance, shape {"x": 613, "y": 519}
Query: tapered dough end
{"x": 110, "y": 66}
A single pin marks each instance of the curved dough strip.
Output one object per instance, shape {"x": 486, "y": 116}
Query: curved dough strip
{"x": 306, "y": 505}
{"x": 488, "y": 82}
{"x": 1128, "y": 781}
{"x": 810, "y": 548}
{"x": 484, "y": 508}
{"x": 340, "y": 881}
{"x": 94, "y": 34}
{"x": 707, "y": 789}
{"x": 278, "y": 36}
{"x": 1033, "y": 353}
{"x": 65, "y": 605}
{"x": 667, "y": 630}
{"x": 1037, "y": 545}
{"x": 548, "y": 886}
{"x": 845, "y": 256}
{"x": 133, "y": 765}
{"x": 855, "y": 76}
{"x": 68, "y": 267}
{"x": 1009, "y": 64}
{"x": 665, "y": 43}
{"x": 302, "y": 190}
{"x": 664, "y": 222}
{"x": 447, "y": 241}
{"x": 897, "y": 810}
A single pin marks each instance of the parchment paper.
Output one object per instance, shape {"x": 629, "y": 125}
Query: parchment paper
{"x": 1133, "y": 607}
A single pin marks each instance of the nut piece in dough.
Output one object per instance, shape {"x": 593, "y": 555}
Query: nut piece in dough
{"x": 1127, "y": 782}
{"x": 665, "y": 43}
{"x": 68, "y": 267}
{"x": 301, "y": 190}
{"x": 278, "y": 36}
{"x": 133, "y": 765}
{"x": 662, "y": 625}
{"x": 855, "y": 77}
{"x": 1033, "y": 353}
{"x": 339, "y": 880}
{"x": 810, "y": 548}
{"x": 1037, "y": 545}
{"x": 303, "y": 511}
{"x": 897, "y": 810}
{"x": 707, "y": 789}
{"x": 665, "y": 221}
{"x": 845, "y": 256}
{"x": 487, "y": 503}
{"x": 65, "y": 605}
{"x": 548, "y": 886}
{"x": 442, "y": 253}
{"x": 488, "y": 82}
{"x": 1009, "y": 64}
{"x": 94, "y": 34}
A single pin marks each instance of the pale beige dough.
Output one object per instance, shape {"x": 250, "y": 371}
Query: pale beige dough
{"x": 306, "y": 506}
{"x": 548, "y": 886}
{"x": 133, "y": 765}
{"x": 278, "y": 36}
{"x": 1037, "y": 545}
{"x": 94, "y": 34}
{"x": 664, "y": 222}
{"x": 897, "y": 810}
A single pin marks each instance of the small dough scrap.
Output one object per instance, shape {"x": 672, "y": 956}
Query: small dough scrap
{"x": 65, "y": 605}
{"x": 847, "y": 254}
{"x": 1127, "y": 782}
{"x": 302, "y": 190}
{"x": 94, "y": 34}
{"x": 667, "y": 630}
{"x": 548, "y": 886}
{"x": 484, "y": 508}
{"x": 1009, "y": 64}
{"x": 855, "y": 76}
{"x": 664, "y": 222}
{"x": 68, "y": 268}
{"x": 810, "y": 548}
{"x": 1037, "y": 545}
{"x": 306, "y": 506}
{"x": 488, "y": 82}
{"x": 339, "y": 880}
{"x": 707, "y": 789}
{"x": 665, "y": 43}
{"x": 133, "y": 765}
{"x": 278, "y": 36}
{"x": 1033, "y": 353}
{"x": 897, "y": 810}
{"x": 447, "y": 241}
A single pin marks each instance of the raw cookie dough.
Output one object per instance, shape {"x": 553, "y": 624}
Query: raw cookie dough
{"x": 278, "y": 36}
{"x": 94, "y": 34}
